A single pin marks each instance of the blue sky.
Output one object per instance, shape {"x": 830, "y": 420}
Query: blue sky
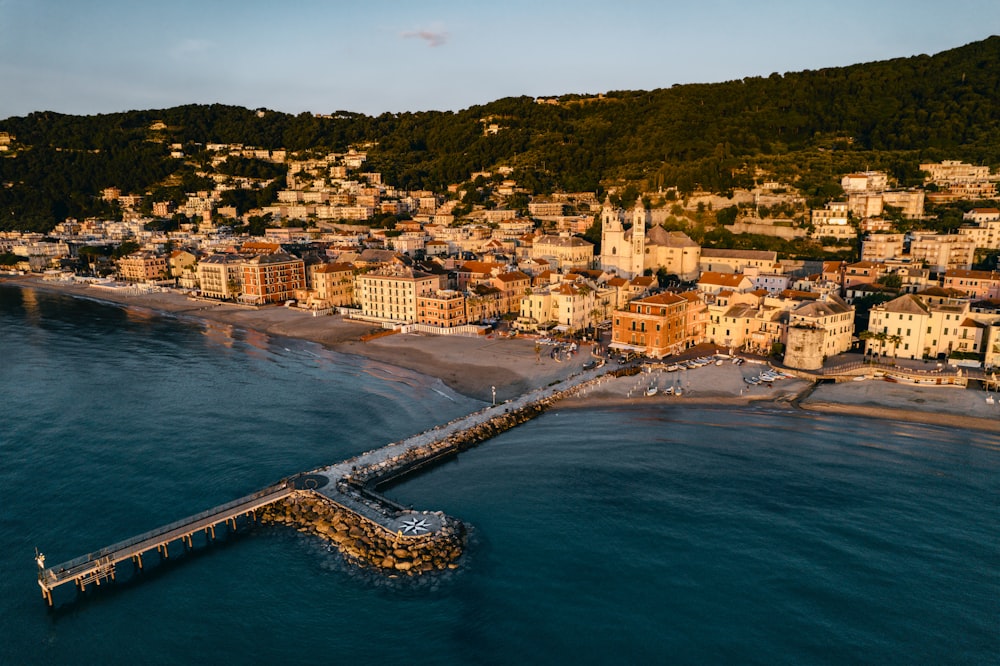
{"x": 372, "y": 56}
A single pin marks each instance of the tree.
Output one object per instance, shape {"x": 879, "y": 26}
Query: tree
{"x": 866, "y": 336}
{"x": 895, "y": 341}
{"x": 890, "y": 280}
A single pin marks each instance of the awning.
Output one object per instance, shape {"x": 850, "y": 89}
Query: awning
{"x": 625, "y": 347}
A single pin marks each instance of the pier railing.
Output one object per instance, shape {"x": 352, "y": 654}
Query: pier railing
{"x": 100, "y": 563}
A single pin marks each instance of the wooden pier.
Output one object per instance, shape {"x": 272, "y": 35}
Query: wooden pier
{"x": 102, "y": 565}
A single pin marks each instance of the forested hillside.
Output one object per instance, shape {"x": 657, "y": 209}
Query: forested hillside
{"x": 809, "y": 126}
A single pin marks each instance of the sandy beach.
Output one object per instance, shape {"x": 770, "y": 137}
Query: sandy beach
{"x": 471, "y": 366}
{"x": 474, "y": 366}
{"x": 725, "y": 385}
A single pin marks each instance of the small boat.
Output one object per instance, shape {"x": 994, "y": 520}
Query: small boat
{"x": 652, "y": 390}
{"x": 673, "y": 367}
{"x": 989, "y": 399}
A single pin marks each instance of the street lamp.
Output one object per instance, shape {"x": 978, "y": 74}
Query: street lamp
{"x": 494, "y": 388}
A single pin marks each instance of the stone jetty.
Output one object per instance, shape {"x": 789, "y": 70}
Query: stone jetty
{"x": 342, "y": 503}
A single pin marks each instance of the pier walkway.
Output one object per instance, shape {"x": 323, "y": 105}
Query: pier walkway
{"x": 351, "y": 484}
{"x": 102, "y": 564}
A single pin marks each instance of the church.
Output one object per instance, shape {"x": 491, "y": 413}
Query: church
{"x": 630, "y": 251}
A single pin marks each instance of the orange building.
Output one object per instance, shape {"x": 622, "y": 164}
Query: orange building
{"x": 444, "y": 308}
{"x": 655, "y": 325}
{"x": 272, "y": 278}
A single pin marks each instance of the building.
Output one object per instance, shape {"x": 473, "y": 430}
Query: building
{"x": 563, "y": 251}
{"x": 829, "y": 315}
{"x": 879, "y": 247}
{"x": 862, "y": 272}
{"x": 272, "y": 278}
{"x": 712, "y": 282}
{"x": 331, "y": 285}
{"x": 978, "y": 285}
{"x": 390, "y": 293}
{"x": 913, "y": 326}
{"x": 445, "y": 308}
{"x": 942, "y": 252}
{"x": 865, "y": 181}
{"x": 221, "y": 276}
{"x": 736, "y": 261}
{"x": 673, "y": 251}
{"x": 623, "y": 248}
{"x": 655, "y": 325}
{"x": 143, "y": 266}
{"x": 833, "y": 221}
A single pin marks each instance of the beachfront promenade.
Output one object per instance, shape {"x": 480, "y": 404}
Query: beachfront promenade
{"x": 351, "y": 485}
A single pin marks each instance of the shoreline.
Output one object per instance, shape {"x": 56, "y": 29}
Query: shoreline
{"x": 470, "y": 366}
{"x": 474, "y": 366}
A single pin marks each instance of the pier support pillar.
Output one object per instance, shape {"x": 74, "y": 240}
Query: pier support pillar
{"x": 137, "y": 561}
{"x": 211, "y": 528}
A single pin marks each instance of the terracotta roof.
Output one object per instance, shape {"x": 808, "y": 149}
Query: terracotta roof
{"x": 663, "y": 298}
{"x": 722, "y": 279}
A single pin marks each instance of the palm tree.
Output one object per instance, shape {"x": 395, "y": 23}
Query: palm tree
{"x": 881, "y": 337}
{"x": 865, "y": 336}
{"x": 895, "y": 341}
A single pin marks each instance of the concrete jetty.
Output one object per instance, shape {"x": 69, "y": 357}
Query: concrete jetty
{"x": 341, "y": 502}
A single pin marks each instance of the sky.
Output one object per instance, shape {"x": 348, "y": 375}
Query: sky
{"x": 376, "y": 56}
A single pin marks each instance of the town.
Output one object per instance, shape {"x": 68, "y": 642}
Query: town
{"x": 460, "y": 262}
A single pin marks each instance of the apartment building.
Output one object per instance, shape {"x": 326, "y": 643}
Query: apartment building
{"x": 879, "y": 247}
{"x": 390, "y": 293}
{"x": 272, "y": 278}
{"x": 142, "y": 266}
{"x": 942, "y": 252}
{"x": 912, "y": 327}
{"x": 444, "y": 308}
{"x": 978, "y": 285}
{"x": 332, "y": 284}
{"x": 221, "y": 276}
{"x": 655, "y": 325}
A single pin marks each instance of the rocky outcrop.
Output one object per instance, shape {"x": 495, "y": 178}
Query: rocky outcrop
{"x": 367, "y": 543}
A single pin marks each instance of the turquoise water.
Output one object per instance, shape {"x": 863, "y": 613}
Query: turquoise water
{"x": 642, "y": 535}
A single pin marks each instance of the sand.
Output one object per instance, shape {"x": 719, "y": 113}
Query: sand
{"x": 471, "y": 366}
{"x": 474, "y": 366}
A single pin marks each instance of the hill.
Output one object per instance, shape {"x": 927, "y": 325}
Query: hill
{"x": 807, "y": 126}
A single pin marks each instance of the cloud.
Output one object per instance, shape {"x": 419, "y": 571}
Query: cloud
{"x": 432, "y": 37}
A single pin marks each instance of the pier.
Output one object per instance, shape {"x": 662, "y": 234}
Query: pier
{"x": 351, "y": 487}
{"x": 102, "y": 565}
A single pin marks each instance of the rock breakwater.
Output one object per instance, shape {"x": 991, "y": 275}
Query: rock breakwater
{"x": 372, "y": 530}
{"x": 365, "y": 542}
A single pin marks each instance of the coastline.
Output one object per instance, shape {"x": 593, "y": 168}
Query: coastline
{"x": 474, "y": 366}
{"x": 471, "y": 366}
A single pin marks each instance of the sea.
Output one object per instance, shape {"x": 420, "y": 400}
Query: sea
{"x": 608, "y": 535}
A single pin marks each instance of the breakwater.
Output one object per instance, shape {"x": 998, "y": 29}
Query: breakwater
{"x": 342, "y": 502}
{"x": 348, "y": 509}
{"x": 366, "y": 543}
